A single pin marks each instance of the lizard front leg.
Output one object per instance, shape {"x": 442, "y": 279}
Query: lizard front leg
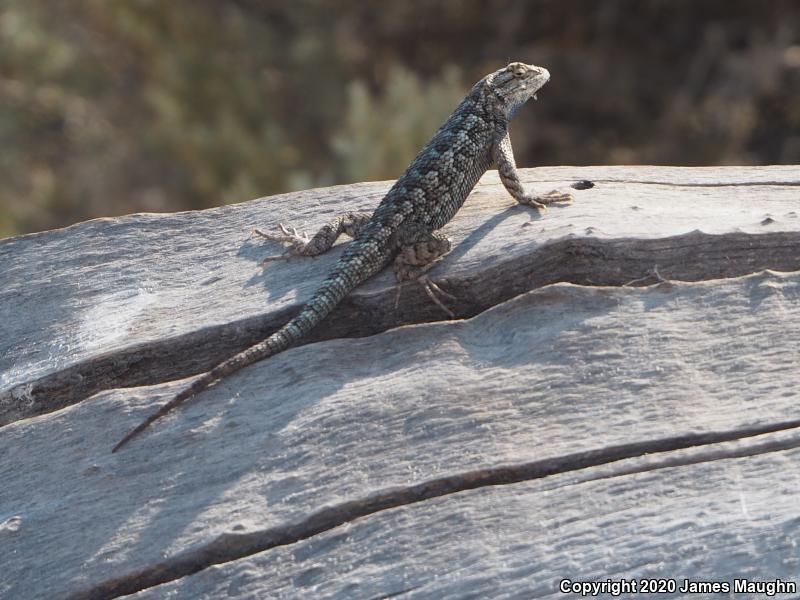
{"x": 503, "y": 155}
{"x": 350, "y": 224}
{"x": 419, "y": 252}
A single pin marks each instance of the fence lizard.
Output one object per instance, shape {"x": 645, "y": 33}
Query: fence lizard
{"x": 404, "y": 226}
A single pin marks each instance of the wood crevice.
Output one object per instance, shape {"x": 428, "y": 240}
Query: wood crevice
{"x": 687, "y": 449}
{"x": 581, "y": 261}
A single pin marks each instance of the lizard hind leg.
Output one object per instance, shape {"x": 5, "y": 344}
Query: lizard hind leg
{"x": 416, "y": 257}
{"x": 300, "y": 244}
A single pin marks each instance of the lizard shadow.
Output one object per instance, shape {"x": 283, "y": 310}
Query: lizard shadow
{"x": 480, "y": 232}
{"x": 302, "y": 275}
{"x": 279, "y": 279}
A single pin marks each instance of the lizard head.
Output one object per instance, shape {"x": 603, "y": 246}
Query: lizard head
{"x": 517, "y": 83}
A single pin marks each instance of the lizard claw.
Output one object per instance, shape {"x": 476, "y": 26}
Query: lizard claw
{"x": 293, "y": 235}
{"x": 285, "y": 234}
{"x": 555, "y": 197}
{"x": 536, "y": 204}
{"x": 297, "y": 242}
{"x": 432, "y": 290}
{"x": 540, "y": 202}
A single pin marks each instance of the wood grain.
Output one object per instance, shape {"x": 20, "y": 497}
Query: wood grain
{"x": 571, "y": 431}
{"x": 144, "y": 299}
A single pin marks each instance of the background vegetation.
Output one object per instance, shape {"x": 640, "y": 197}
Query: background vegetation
{"x": 110, "y": 107}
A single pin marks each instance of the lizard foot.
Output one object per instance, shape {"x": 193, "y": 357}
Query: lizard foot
{"x": 540, "y": 202}
{"x": 432, "y": 290}
{"x": 555, "y": 197}
{"x": 420, "y": 252}
{"x": 297, "y": 242}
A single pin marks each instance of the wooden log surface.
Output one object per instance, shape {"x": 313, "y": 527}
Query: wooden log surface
{"x": 602, "y": 428}
{"x": 147, "y": 298}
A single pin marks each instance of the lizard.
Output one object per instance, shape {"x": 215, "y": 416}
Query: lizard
{"x": 404, "y": 227}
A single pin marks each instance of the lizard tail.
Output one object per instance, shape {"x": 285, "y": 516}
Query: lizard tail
{"x": 344, "y": 278}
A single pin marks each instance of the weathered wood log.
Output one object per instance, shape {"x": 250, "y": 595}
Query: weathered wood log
{"x": 148, "y": 298}
{"x": 479, "y": 456}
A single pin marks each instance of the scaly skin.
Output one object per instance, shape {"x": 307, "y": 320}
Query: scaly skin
{"x": 404, "y": 227}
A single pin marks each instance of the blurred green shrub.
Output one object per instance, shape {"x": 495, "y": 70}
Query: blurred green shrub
{"x": 109, "y": 107}
{"x": 381, "y": 134}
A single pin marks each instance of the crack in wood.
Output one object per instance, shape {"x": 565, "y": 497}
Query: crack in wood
{"x": 581, "y": 261}
{"x": 228, "y": 547}
{"x": 703, "y": 185}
